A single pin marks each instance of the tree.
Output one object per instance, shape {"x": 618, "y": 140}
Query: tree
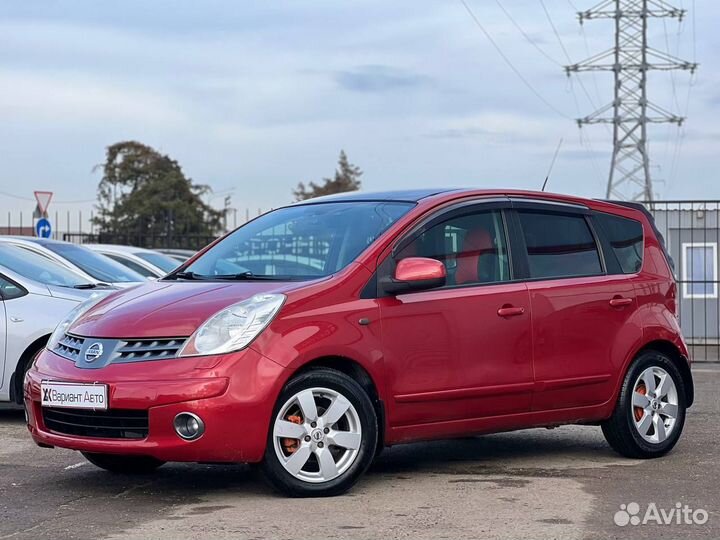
{"x": 347, "y": 178}
{"x": 144, "y": 194}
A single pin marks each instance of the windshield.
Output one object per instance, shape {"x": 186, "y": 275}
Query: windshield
{"x": 95, "y": 264}
{"x": 163, "y": 262}
{"x": 38, "y": 268}
{"x": 299, "y": 242}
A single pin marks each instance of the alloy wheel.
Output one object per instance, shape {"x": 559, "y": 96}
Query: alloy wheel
{"x": 317, "y": 435}
{"x": 654, "y": 404}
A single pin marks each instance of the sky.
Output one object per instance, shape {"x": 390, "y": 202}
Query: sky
{"x": 254, "y": 97}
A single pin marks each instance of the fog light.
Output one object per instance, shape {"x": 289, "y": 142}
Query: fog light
{"x": 189, "y": 426}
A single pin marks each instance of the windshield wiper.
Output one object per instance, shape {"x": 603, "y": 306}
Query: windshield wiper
{"x": 242, "y": 276}
{"x": 184, "y": 275}
{"x": 86, "y": 286}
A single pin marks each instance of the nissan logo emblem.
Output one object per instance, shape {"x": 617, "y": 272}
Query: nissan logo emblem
{"x": 93, "y": 352}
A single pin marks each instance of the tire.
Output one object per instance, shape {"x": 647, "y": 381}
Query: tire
{"x": 24, "y": 365}
{"x": 301, "y": 466}
{"x": 119, "y": 464}
{"x": 651, "y": 426}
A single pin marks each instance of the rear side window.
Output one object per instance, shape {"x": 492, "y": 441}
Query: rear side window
{"x": 559, "y": 245}
{"x": 625, "y": 237}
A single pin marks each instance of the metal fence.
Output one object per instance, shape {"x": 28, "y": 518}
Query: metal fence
{"x": 692, "y": 232}
{"x": 78, "y": 227}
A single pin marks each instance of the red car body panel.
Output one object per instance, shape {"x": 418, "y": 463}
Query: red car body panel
{"x": 443, "y": 362}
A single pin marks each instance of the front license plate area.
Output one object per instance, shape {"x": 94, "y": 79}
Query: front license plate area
{"x": 74, "y": 395}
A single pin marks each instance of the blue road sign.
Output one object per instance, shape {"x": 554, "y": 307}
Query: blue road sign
{"x": 43, "y": 228}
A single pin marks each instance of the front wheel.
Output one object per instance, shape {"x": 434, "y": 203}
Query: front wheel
{"x": 323, "y": 435}
{"x": 650, "y": 412}
{"x": 124, "y": 464}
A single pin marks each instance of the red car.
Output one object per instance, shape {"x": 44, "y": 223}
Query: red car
{"x": 319, "y": 333}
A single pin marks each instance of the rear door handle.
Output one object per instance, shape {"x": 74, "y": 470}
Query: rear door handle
{"x": 620, "y": 301}
{"x": 510, "y": 311}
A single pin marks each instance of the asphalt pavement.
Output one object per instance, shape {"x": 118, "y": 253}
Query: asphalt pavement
{"x": 561, "y": 483}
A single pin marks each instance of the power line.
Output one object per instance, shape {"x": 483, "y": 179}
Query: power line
{"x": 565, "y": 51}
{"x": 525, "y": 34}
{"x": 29, "y": 199}
{"x": 510, "y": 64}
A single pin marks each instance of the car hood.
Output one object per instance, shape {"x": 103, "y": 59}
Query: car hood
{"x": 159, "y": 309}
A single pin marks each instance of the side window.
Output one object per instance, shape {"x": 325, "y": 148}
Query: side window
{"x": 132, "y": 265}
{"x": 8, "y": 290}
{"x": 472, "y": 247}
{"x": 625, "y": 237}
{"x": 559, "y": 245}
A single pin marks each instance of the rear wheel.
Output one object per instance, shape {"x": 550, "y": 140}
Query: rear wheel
{"x": 323, "y": 435}
{"x": 650, "y": 412}
{"x": 124, "y": 464}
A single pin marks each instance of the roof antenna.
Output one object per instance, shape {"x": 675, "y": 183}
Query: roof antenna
{"x": 552, "y": 164}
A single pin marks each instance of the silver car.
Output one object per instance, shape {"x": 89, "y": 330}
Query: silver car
{"x": 93, "y": 266}
{"x": 35, "y": 295}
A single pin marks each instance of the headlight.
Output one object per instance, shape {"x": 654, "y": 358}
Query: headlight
{"x": 234, "y": 327}
{"x": 77, "y": 312}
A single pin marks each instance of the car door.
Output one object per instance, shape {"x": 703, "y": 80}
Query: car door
{"x": 582, "y": 316}
{"x": 3, "y": 336}
{"x": 9, "y": 291}
{"x": 461, "y": 351}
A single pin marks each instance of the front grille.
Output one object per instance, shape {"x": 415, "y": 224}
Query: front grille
{"x": 116, "y": 351}
{"x": 110, "y": 424}
{"x": 70, "y": 346}
{"x": 149, "y": 349}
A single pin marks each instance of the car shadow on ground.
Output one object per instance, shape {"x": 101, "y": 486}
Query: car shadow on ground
{"x": 525, "y": 453}
{"x": 11, "y": 415}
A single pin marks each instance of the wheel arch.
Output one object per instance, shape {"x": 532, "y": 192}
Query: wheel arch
{"x": 16, "y": 379}
{"x": 359, "y": 374}
{"x": 671, "y": 350}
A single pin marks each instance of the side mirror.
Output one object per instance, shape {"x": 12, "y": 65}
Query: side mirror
{"x": 415, "y": 274}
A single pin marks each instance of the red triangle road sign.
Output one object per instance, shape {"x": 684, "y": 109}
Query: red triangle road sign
{"x": 43, "y": 199}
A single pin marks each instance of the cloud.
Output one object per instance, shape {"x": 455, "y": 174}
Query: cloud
{"x": 80, "y": 99}
{"x": 377, "y": 78}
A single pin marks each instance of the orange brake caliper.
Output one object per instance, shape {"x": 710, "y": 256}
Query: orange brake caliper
{"x": 639, "y": 410}
{"x": 291, "y": 445}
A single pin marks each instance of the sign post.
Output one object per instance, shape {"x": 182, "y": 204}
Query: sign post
{"x": 43, "y": 227}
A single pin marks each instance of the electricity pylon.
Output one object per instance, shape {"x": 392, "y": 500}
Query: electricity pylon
{"x": 630, "y": 60}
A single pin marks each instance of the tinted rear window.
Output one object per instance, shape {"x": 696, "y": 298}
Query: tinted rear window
{"x": 559, "y": 245}
{"x": 625, "y": 237}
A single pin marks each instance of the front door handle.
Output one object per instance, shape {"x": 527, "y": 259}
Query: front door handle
{"x": 619, "y": 301}
{"x": 510, "y": 311}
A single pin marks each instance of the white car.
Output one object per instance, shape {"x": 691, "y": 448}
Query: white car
{"x": 95, "y": 267}
{"x": 35, "y": 295}
{"x": 145, "y": 262}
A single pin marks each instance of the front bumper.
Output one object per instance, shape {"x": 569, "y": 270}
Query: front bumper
{"x": 234, "y": 397}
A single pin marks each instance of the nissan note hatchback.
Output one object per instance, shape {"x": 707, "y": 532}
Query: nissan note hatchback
{"x": 319, "y": 333}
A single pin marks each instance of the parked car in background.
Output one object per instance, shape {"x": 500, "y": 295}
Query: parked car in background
{"x": 316, "y": 334}
{"x": 181, "y": 255}
{"x": 35, "y": 295}
{"x": 145, "y": 262}
{"x": 94, "y": 266}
